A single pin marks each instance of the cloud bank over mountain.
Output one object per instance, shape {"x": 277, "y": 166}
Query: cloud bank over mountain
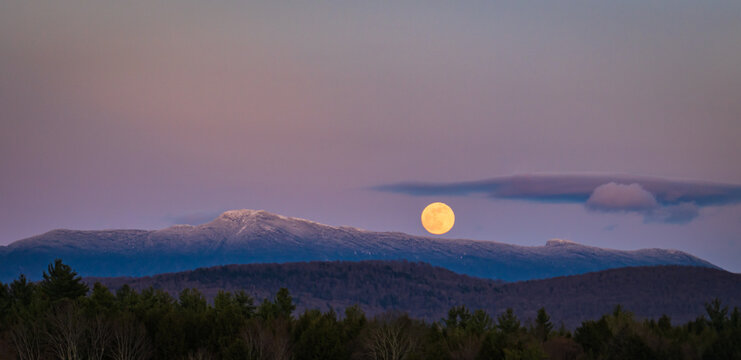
{"x": 657, "y": 199}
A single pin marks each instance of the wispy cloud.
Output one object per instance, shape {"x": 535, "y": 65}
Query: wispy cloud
{"x": 674, "y": 214}
{"x": 658, "y": 199}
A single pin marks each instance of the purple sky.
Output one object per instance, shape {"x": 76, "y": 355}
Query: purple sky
{"x": 142, "y": 114}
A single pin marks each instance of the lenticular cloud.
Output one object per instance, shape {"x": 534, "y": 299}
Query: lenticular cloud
{"x": 657, "y": 199}
{"x": 621, "y": 197}
{"x": 615, "y": 197}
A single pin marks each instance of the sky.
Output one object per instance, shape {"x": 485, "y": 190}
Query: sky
{"x": 612, "y": 124}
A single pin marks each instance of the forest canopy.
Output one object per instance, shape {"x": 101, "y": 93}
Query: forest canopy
{"x": 60, "y": 317}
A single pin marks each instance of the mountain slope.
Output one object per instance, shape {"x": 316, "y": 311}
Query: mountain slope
{"x": 249, "y": 236}
{"x": 425, "y": 291}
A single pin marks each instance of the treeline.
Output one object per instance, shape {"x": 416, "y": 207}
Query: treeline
{"x": 61, "y": 318}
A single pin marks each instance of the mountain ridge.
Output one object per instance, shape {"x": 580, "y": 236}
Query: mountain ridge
{"x": 427, "y": 292}
{"x": 255, "y": 236}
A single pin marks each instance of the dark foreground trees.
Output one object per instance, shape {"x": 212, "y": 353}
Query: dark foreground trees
{"x": 59, "y": 318}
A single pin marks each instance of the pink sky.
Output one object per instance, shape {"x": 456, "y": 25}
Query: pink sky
{"x": 132, "y": 115}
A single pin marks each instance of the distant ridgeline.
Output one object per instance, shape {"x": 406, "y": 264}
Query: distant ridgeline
{"x": 248, "y": 236}
{"x": 427, "y": 292}
{"x": 61, "y": 317}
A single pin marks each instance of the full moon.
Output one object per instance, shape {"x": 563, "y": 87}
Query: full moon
{"x": 438, "y": 218}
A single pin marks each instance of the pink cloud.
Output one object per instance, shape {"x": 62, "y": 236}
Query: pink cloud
{"x": 621, "y": 197}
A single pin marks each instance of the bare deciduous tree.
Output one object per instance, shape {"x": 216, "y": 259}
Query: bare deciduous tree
{"x": 267, "y": 342}
{"x": 389, "y": 340}
{"x": 65, "y": 331}
{"x": 27, "y": 338}
{"x": 253, "y": 338}
{"x": 129, "y": 341}
{"x": 99, "y": 337}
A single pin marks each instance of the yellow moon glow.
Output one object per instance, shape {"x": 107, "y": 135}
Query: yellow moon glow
{"x": 438, "y": 218}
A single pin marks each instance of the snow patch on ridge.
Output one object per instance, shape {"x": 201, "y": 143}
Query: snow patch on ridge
{"x": 559, "y": 242}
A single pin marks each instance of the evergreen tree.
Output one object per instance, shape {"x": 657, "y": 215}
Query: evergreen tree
{"x": 665, "y": 323}
{"x": 717, "y": 313}
{"x": 61, "y": 282}
{"x": 245, "y": 302}
{"x": 267, "y": 310}
{"x": 543, "y": 325}
{"x": 22, "y": 291}
{"x": 628, "y": 345}
{"x": 735, "y": 320}
{"x": 318, "y": 336}
{"x": 281, "y": 307}
{"x": 126, "y": 298}
{"x": 726, "y": 347}
{"x": 101, "y": 300}
{"x": 593, "y": 336}
{"x": 4, "y": 294}
{"x": 479, "y": 323}
{"x": 284, "y": 303}
{"x": 195, "y": 323}
{"x": 228, "y": 317}
{"x": 192, "y": 300}
{"x": 4, "y": 303}
{"x": 458, "y": 317}
{"x": 507, "y": 322}
{"x": 352, "y": 326}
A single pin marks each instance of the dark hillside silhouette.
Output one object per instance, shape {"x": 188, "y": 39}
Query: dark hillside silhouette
{"x": 427, "y": 292}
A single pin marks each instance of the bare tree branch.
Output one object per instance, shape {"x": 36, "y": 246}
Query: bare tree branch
{"x": 99, "y": 336}
{"x": 267, "y": 342}
{"x": 130, "y": 341}
{"x": 27, "y": 337}
{"x": 65, "y": 331}
{"x": 389, "y": 340}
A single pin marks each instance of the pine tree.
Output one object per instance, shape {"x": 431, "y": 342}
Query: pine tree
{"x": 458, "y": 317}
{"x": 4, "y": 302}
{"x": 735, "y": 318}
{"x": 543, "y": 325}
{"x": 665, "y": 323}
{"x": 593, "y": 336}
{"x": 192, "y": 300}
{"x": 245, "y": 302}
{"x": 284, "y": 302}
{"x": 62, "y": 282}
{"x": 717, "y": 313}
{"x": 479, "y": 323}
{"x": 21, "y": 291}
{"x": 101, "y": 300}
{"x": 507, "y": 322}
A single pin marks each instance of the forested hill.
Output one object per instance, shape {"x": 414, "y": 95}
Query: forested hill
{"x": 428, "y": 292}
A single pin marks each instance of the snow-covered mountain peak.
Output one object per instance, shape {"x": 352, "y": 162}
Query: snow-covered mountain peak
{"x": 262, "y": 217}
{"x": 243, "y": 222}
{"x": 560, "y": 242}
{"x": 242, "y": 214}
{"x": 245, "y": 236}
